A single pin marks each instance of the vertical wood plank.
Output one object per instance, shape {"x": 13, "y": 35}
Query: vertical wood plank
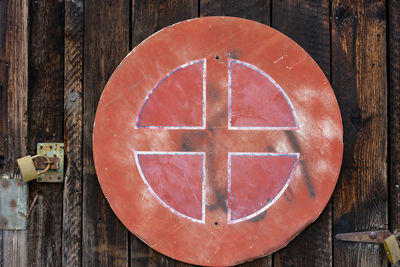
{"x": 394, "y": 123}
{"x": 46, "y": 91}
{"x": 3, "y": 106}
{"x": 13, "y": 112}
{"x": 149, "y": 17}
{"x": 106, "y": 43}
{"x": 256, "y": 10}
{"x": 360, "y": 83}
{"x": 3, "y": 82}
{"x": 73, "y": 109}
{"x": 308, "y": 24}
{"x": 152, "y": 16}
{"x": 14, "y": 79}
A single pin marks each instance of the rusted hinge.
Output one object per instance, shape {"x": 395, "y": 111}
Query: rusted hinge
{"x": 384, "y": 237}
{"x": 41, "y": 163}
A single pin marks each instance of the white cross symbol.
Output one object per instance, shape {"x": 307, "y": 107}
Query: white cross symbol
{"x": 218, "y": 139}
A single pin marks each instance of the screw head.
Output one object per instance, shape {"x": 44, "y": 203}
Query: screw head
{"x": 73, "y": 97}
{"x": 373, "y": 235}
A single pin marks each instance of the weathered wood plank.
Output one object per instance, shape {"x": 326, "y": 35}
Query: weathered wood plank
{"x": 307, "y": 23}
{"x": 73, "y": 111}
{"x": 258, "y": 10}
{"x": 106, "y": 43}
{"x": 14, "y": 58}
{"x": 394, "y": 123}
{"x": 46, "y": 86}
{"x": 46, "y": 72}
{"x": 3, "y": 81}
{"x": 360, "y": 83}
{"x": 13, "y": 112}
{"x": 149, "y": 17}
{"x": 3, "y": 108}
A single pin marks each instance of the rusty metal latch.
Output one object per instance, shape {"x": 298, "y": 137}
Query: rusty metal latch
{"x": 55, "y": 152}
{"x": 49, "y": 160}
{"x": 388, "y": 239}
{"x": 28, "y": 168}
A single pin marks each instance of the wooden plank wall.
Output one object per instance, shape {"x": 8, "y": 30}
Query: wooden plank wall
{"x": 54, "y": 66}
{"x": 359, "y": 77}
{"x": 394, "y": 112}
{"x": 45, "y": 124}
{"x": 14, "y": 112}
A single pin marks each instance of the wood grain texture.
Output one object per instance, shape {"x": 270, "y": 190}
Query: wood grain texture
{"x": 258, "y": 10}
{"x": 106, "y": 43}
{"x": 14, "y": 79}
{"x": 13, "y": 112}
{"x": 3, "y": 81}
{"x": 3, "y": 109}
{"x": 46, "y": 95}
{"x": 359, "y": 79}
{"x": 75, "y": 53}
{"x": 307, "y": 23}
{"x": 147, "y": 18}
{"x": 143, "y": 255}
{"x": 73, "y": 111}
{"x": 394, "y": 123}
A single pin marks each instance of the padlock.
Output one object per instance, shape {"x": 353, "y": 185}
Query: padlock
{"x": 28, "y": 169}
{"x": 392, "y": 248}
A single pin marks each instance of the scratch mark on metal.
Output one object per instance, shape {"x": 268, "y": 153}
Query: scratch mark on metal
{"x": 291, "y": 67}
{"x": 279, "y": 59}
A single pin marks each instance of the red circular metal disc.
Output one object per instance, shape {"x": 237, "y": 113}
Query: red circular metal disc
{"x": 217, "y": 140}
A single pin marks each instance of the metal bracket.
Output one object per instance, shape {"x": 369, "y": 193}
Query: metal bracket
{"x": 55, "y": 152}
{"x": 388, "y": 239}
{"x": 373, "y": 237}
{"x": 13, "y": 204}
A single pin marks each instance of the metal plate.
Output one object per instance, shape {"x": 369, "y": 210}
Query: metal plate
{"x": 52, "y": 150}
{"x": 217, "y": 140}
{"x": 13, "y": 204}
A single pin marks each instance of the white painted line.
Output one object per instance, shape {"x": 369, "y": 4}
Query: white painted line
{"x": 230, "y": 127}
{"x": 137, "y": 153}
{"x": 137, "y": 126}
{"x": 230, "y": 154}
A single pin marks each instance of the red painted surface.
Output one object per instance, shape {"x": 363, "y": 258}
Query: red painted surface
{"x": 185, "y": 86}
{"x": 167, "y": 174}
{"x": 217, "y": 140}
{"x": 257, "y": 181}
{"x": 256, "y": 99}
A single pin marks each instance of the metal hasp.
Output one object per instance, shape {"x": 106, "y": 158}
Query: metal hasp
{"x": 374, "y": 237}
{"x": 28, "y": 169}
{"x": 388, "y": 239}
{"x": 13, "y": 204}
{"x": 55, "y": 153}
{"x": 217, "y": 140}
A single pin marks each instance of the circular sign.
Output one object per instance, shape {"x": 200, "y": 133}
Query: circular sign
{"x": 217, "y": 140}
